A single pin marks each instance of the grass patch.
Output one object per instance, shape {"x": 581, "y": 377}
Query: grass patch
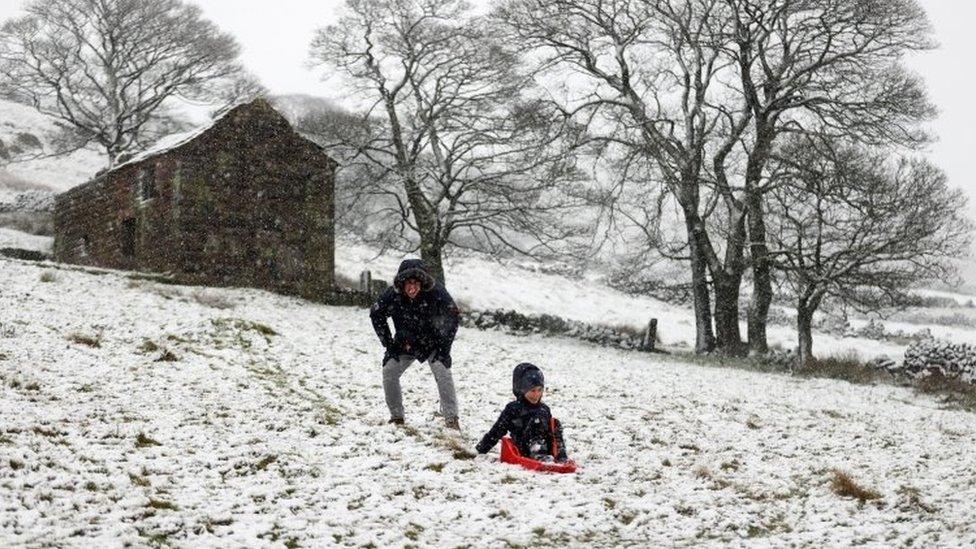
{"x": 46, "y": 432}
{"x": 241, "y": 326}
{"x": 167, "y": 356}
{"x": 730, "y": 465}
{"x": 717, "y": 360}
{"x": 49, "y": 276}
{"x": 954, "y": 393}
{"x": 459, "y": 450}
{"x": 245, "y": 325}
{"x": 139, "y": 480}
{"x": 161, "y": 504}
{"x": 262, "y": 329}
{"x": 213, "y": 524}
{"x": 846, "y": 367}
{"x": 83, "y": 339}
{"x": 912, "y": 499}
{"x": 148, "y": 346}
{"x": 843, "y": 485}
{"x": 627, "y": 517}
{"x": 436, "y": 467}
{"x": 144, "y": 441}
{"x": 413, "y": 531}
{"x": 265, "y": 462}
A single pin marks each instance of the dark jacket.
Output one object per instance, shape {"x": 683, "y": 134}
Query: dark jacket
{"x": 427, "y": 323}
{"x": 527, "y": 423}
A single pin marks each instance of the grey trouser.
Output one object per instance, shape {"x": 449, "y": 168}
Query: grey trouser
{"x": 394, "y": 367}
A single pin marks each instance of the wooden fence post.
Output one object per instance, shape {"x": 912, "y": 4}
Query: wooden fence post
{"x": 650, "y": 336}
{"x": 365, "y": 282}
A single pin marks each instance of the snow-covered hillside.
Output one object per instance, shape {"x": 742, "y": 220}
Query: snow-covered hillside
{"x": 10, "y": 238}
{"x": 135, "y": 413}
{"x": 483, "y": 284}
{"x": 25, "y": 133}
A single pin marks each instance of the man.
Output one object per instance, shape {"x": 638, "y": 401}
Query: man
{"x": 425, "y": 319}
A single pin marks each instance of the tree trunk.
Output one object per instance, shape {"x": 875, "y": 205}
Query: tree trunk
{"x": 431, "y": 254}
{"x": 762, "y": 288}
{"x": 729, "y": 337}
{"x": 704, "y": 336}
{"x": 806, "y": 305}
{"x": 804, "y": 323}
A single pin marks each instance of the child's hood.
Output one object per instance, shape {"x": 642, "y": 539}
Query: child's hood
{"x": 526, "y": 376}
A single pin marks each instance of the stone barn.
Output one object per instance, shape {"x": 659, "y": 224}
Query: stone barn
{"x": 245, "y": 201}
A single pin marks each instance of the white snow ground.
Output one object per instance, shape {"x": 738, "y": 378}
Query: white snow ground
{"x": 10, "y": 238}
{"x": 252, "y": 438}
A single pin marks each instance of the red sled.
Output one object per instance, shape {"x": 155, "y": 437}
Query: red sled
{"x": 510, "y": 454}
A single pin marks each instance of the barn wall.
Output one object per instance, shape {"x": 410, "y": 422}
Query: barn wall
{"x": 247, "y": 203}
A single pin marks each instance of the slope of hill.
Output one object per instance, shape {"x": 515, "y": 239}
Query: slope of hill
{"x": 27, "y": 134}
{"x": 482, "y": 284}
{"x": 135, "y": 413}
{"x": 10, "y": 238}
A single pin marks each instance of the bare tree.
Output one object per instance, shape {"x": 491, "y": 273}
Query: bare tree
{"x": 852, "y": 224}
{"x": 650, "y": 89}
{"x": 458, "y": 152}
{"x": 108, "y": 67}
{"x": 703, "y": 89}
{"x": 820, "y": 65}
{"x": 234, "y": 90}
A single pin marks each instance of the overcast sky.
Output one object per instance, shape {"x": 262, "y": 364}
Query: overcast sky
{"x": 275, "y": 36}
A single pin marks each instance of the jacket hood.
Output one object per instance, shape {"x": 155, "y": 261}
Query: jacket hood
{"x": 526, "y": 376}
{"x": 413, "y": 268}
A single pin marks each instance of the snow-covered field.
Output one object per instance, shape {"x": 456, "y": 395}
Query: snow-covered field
{"x": 10, "y": 238}
{"x": 264, "y": 425}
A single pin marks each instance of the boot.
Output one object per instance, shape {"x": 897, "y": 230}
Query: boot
{"x": 396, "y": 421}
{"x": 453, "y": 424}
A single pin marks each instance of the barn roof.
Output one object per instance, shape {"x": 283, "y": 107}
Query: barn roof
{"x": 177, "y": 140}
{"x": 172, "y": 141}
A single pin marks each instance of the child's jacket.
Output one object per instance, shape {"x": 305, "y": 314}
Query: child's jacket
{"x": 532, "y": 428}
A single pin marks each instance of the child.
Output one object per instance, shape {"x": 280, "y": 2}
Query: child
{"x": 533, "y": 429}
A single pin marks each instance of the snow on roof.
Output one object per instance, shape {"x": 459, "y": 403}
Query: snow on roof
{"x": 173, "y": 141}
